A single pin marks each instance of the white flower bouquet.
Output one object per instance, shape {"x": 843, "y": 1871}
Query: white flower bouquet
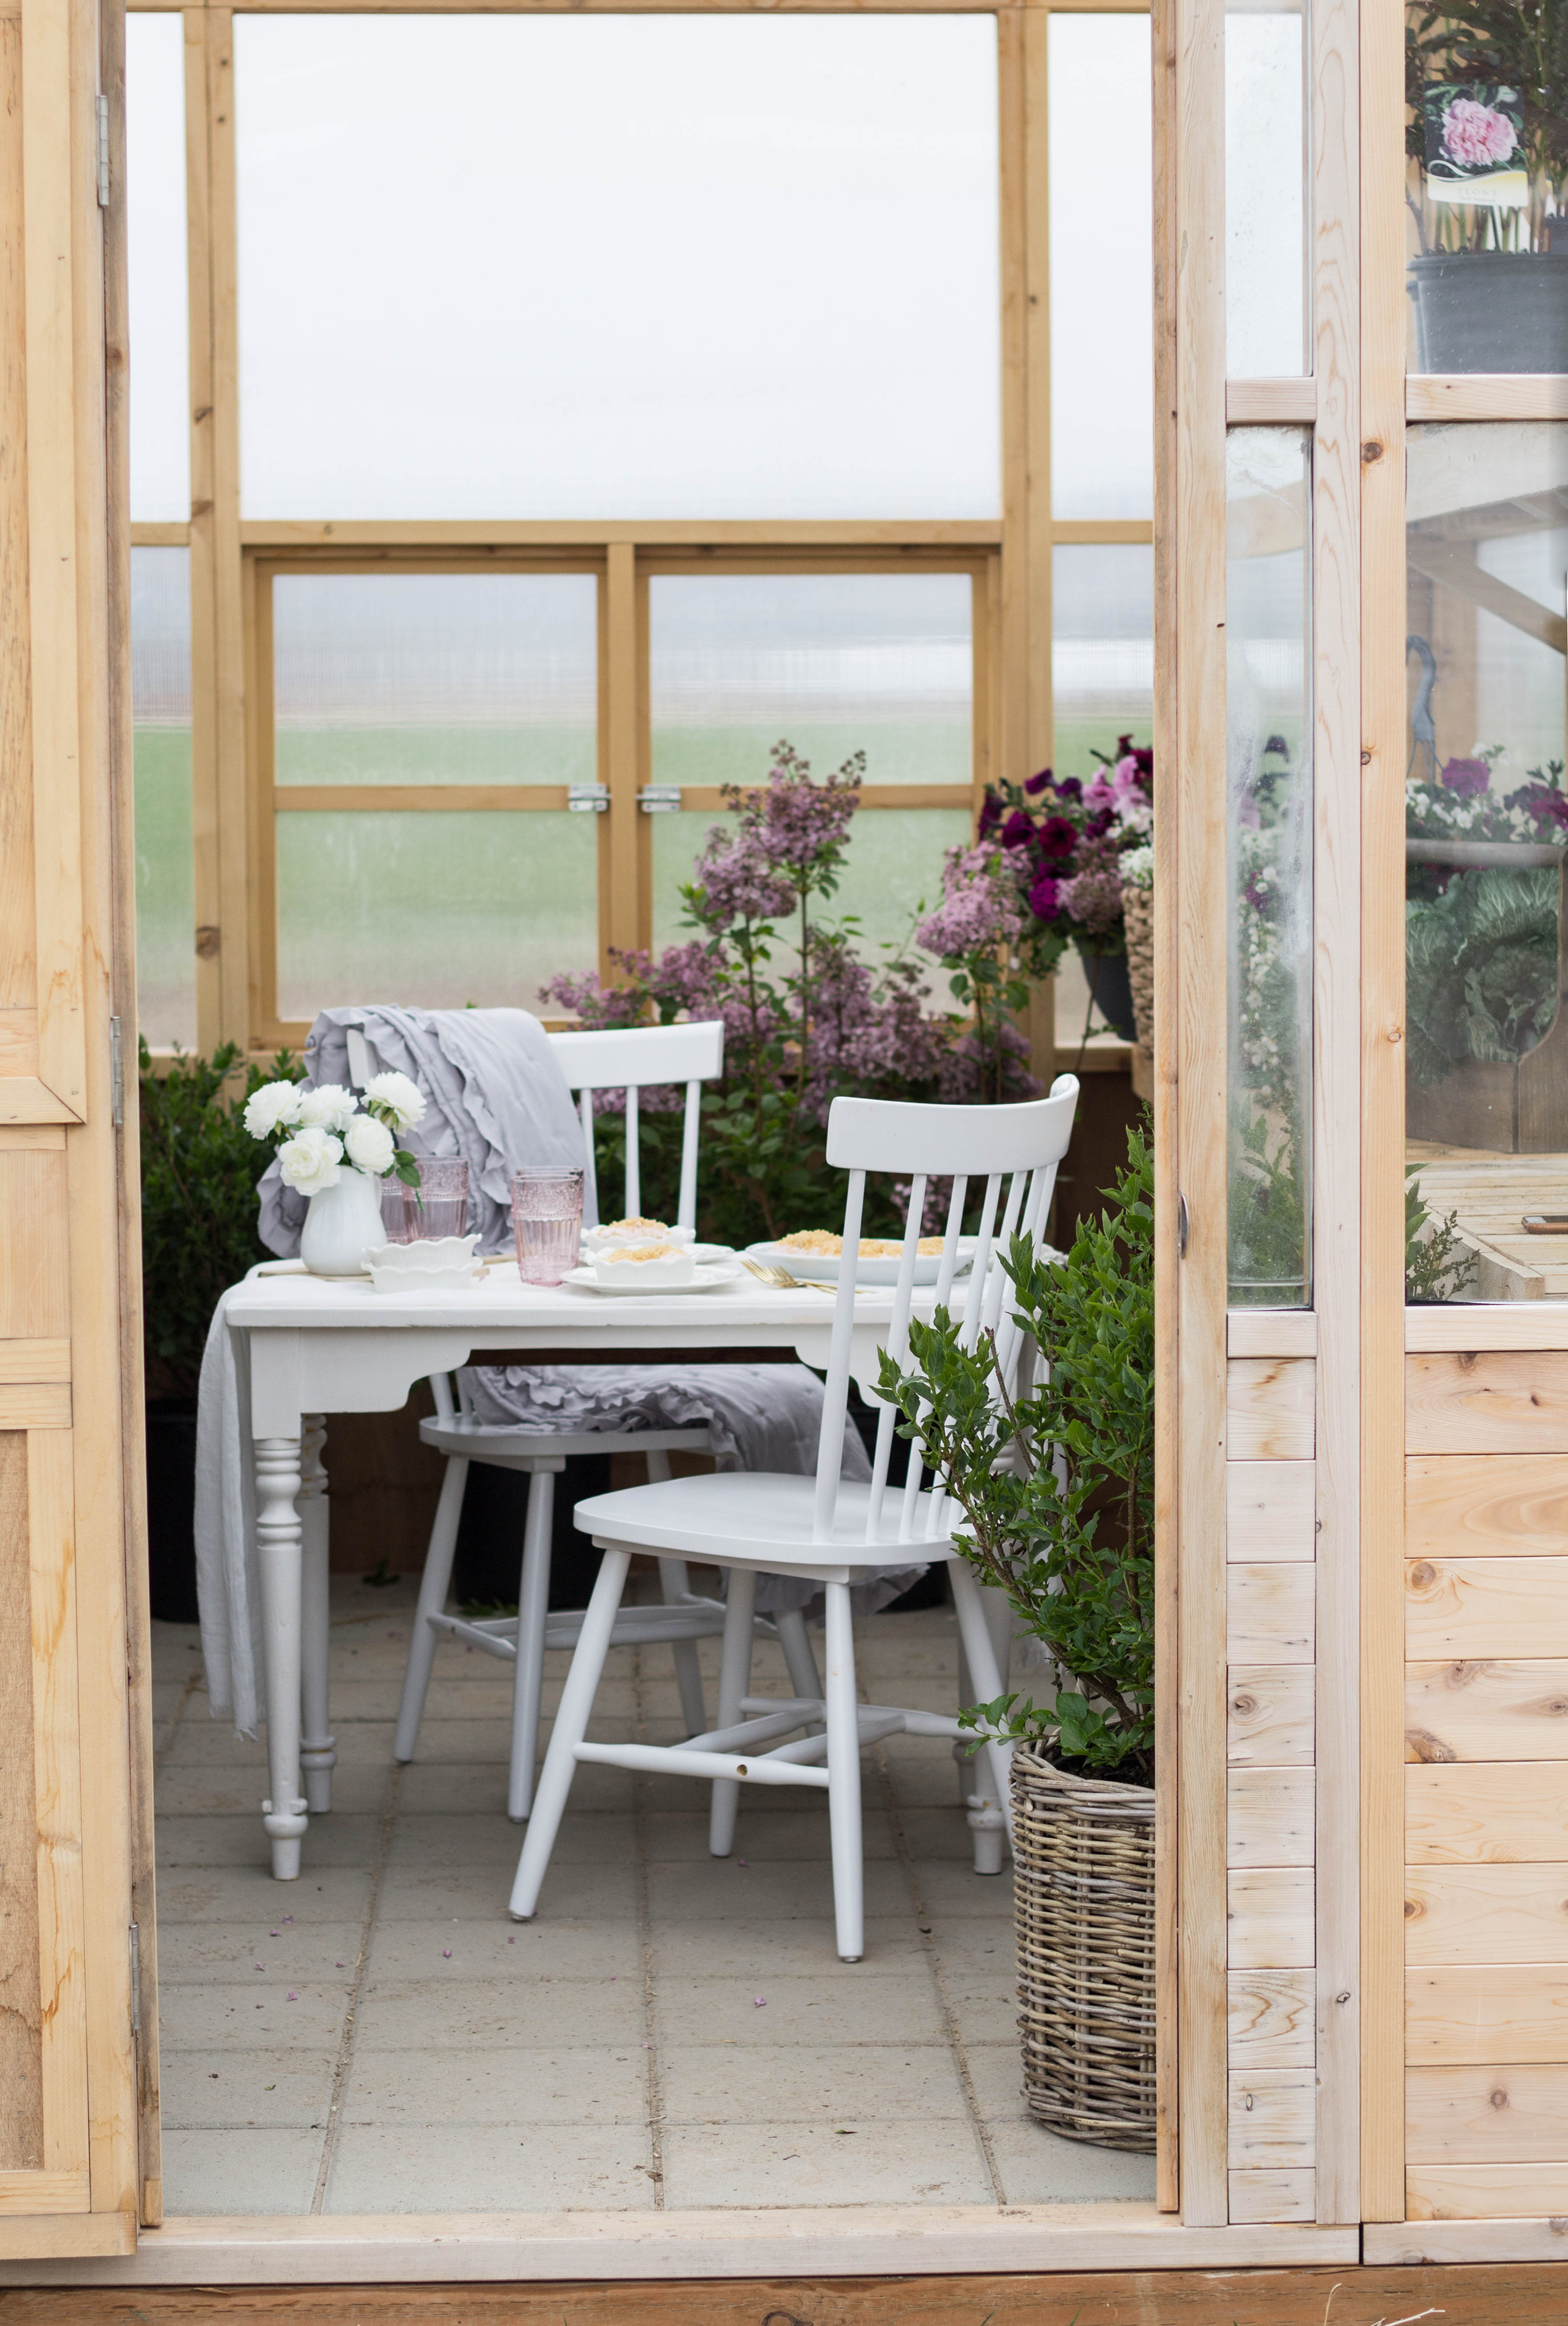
{"x": 319, "y": 1134}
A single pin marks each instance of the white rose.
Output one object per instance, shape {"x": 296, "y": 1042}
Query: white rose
{"x": 274, "y": 1104}
{"x": 397, "y": 1096}
{"x": 370, "y": 1144}
{"x": 327, "y": 1108}
{"x": 312, "y": 1160}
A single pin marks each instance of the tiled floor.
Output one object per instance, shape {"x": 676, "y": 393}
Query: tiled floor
{"x": 672, "y": 2030}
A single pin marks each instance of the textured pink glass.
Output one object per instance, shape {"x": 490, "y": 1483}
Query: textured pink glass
{"x": 547, "y": 1222}
{"x": 439, "y": 1208}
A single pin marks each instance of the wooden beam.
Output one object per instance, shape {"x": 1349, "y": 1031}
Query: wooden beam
{"x": 1271, "y": 402}
{"x": 1487, "y": 395}
{"x": 664, "y": 533}
{"x": 1452, "y": 566}
{"x": 207, "y": 937}
{"x": 235, "y": 965}
{"x": 621, "y": 751}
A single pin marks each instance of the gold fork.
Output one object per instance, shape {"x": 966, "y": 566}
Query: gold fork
{"x": 781, "y": 1278}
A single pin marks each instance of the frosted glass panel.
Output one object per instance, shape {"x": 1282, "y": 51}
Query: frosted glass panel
{"x": 155, "y": 234}
{"x": 837, "y": 662}
{"x": 895, "y": 865}
{"x": 1265, "y": 191}
{"x": 669, "y": 265}
{"x": 160, "y": 729}
{"x": 1269, "y": 818}
{"x": 433, "y": 908}
{"x": 435, "y": 678}
{"x": 1102, "y": 291}
{"x": 1102, "y": 650}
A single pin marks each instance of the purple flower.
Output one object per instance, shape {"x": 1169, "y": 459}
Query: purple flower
{"x": 978, "y": 911}
{"x": 1018, "y": 830}
{"x": 1547, "y": 806}
{"x": 990, "y": 813}
{"x": 1037, "y": 784}
{"x": 735, "y": 880}
{"x": 1058, "y": 837}
{"x": 1466, "y": 777}
{"x": 1069, "y": 787}
{"x": 1045, "y": 897}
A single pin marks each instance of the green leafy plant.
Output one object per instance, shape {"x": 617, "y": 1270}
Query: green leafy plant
{"x": 200, "y": 1167}
{"x": 1438, "y": 1262}
{"x": 1056, "y": 1492}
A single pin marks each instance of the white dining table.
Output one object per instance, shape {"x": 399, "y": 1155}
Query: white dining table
{"x": 321, "y": 1345}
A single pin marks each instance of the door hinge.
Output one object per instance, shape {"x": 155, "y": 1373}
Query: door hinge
{"x": 116, "y": 1075}
{"x": 1182, "y": 1226}
{"x": 103, "y": 153}
{"x": 659, "y": 799}
{"x": 588, "y": 799}
{"x": 136, "y": 1947}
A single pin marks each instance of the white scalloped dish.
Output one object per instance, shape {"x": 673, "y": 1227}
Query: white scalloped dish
{"x": 434, "y": 1264}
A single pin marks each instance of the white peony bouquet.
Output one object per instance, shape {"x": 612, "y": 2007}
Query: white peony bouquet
{"x": 318, "y": 1134}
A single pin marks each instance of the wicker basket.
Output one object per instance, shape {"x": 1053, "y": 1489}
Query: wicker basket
{"x": 1084, "y": 1885}
{"x": 1138, "y": 915}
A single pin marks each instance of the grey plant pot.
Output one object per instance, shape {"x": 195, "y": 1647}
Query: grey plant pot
{"x": 1490, "y": 311}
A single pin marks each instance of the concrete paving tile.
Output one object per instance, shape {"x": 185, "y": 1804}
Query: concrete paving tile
{"x": 504, "y": 2014}
{"x": 528, "y": 2169}
{"x": 245, "y": 2171}
{"x": 807, "y": 2083}
{"x": 216, "y": 2016}
{"x": 924, "y": 1780}
{"x": 797, "y": 1949}
{"x": 851, "y": 2163}
{"x": 996, "y": 2075}
{"x": 496, "y": 1948}
{"x": 593, "y": 2084}
{"x": 338, "y": 1840}
{"x": 272, "y": 2088}
{"x": 572, "y": 1894}
{"x": 176, "y": 1651}
{"x": 1036, "y": 2167}
{"x": 203, "y": 1743}
{"x": 247, "y": 1894}
{"x": 358, "y": 1791}
{"x": 839, "y": 2006}
{"x": 940, "y": 1832}
{"x": 475, "y": 1738}
{"x": 952, "y": 1887}
{"x": 704, "y": 1889}
{"x": 459, "y": 1837}
{"x": 984, "y": 2011}
{"x": 196, "y": 1952}
{"x": 974, "y": 1946}
{"x": 787, "y": 1835}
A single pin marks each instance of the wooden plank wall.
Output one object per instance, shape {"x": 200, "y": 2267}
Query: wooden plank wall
{"x": 1485, "y": 1815}
{"x": 1271, "y": 1954}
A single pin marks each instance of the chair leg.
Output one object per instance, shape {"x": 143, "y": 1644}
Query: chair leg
{"x": 674, "y": 1583}
{"x": 985, "y": 1675}
{"x": 734, "y": 1678}
{"x": 570, "y": 1728}
{"x": 529, "y": 1672}
{"x": 796, "y": 1642}
{"x": 844, "y": 1777}
{"x": 434, "y": 1586}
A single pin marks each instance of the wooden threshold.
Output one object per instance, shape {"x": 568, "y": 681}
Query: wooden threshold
{"x": 940, "y": 2241}
{"x": 1405, "y": 2242}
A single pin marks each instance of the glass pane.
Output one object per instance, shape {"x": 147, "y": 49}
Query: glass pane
{"x": 1486, "y": 1049}
{"x": 1269, "y": 796}
{"x": 165, "y": 863}
{"x": 670, "y": 265}
{"x": 433, "y": 908}
{"x": 1266, "y": 176}
{"x": 435, "y": 678}
{"x": 1102, "y": 287}
{"x": 1102, "y": 652}
{"x": 156, "y": 261}
{"x": 1487, "y": 214}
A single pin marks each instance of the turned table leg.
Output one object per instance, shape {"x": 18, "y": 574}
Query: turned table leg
{"x": 279, "y": 1552}
{"x": 318, "y": 1745}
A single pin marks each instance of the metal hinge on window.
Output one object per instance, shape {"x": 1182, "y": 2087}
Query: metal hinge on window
{"x": 103, "y": 153}
{"x": 659, "y": 799}
{"x": 116, "y": 1075}
{"x": 588, "y": 799}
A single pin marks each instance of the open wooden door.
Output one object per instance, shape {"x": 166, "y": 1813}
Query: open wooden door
{"x": 77, "y": 2165}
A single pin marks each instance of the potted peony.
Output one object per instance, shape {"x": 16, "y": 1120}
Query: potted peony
{"x": 1056, "y": 1487}
{"x": 336, "y": 1149}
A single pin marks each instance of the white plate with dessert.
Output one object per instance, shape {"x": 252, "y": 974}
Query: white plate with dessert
{"x": 814, "y": 1255}
{"x": 615, "y": 1235}
{"x": 651, "y": 1269}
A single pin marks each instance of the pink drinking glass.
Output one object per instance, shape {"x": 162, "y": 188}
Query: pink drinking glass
{"x": 546, "y": 1221}
{"x": 438, "y": 1208}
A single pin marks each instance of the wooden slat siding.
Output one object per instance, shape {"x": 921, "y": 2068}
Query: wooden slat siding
{"x": 1270, "y": 1511}
{"x": 66, "y": 2237}
{"x": 1271, "y": 2018}
{"x": 1473, "y": 1506}
{"x": 32, "y": 2192}
{"x": 1485, "y": 1813}
{"x": 35, "y": 1361}
{"x": 1461, "y": 2192}
{"x": 1483, "y": 1711}
{"x": 1270, "y": 1820}
{"x": 1467, "y": 1608}
{"x": 1483, "y": 1915}
{"x": 56, "y": 1714}
{"x": 1271, "y": 1332}
{"x": 1270, "y": 1708}
{"x": 1269, "y": 1414}
{"x": 1273, "y": 2117}
{"x": 1485, "y": 2115}
{"x": 35, "y": 1286}
{"x": 21, "y": 2036}
{"x": 1284, "y": 2193}
{"x": 1491, "y": 1402}
{"x": 35, "y": 1405}
{"x": 1270, "y": 1613}
{"x": 18, "y": 958}
{"x": 1510, "y": 2015}
{"x": 1456, "y": 1327}
{"x": 1487, "y": 395}
{"x": 1270, "y": 1917}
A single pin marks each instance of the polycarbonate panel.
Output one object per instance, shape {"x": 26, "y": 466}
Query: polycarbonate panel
{"x": 1265, "y": 178}
{"x": 1269, "y": 819}
{"x": 161, "y": 731}
{"x": 617, "y": 265}
{"x": 157, "y": 261}
{"x": 1102, "y": 650}
{"x": 1102, "y": 285}
{"x": 433, "y": 908}
{"x": 435, "y": 678}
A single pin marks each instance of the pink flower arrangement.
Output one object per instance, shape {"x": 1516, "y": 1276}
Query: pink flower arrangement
{"x": 1477, "y": 134}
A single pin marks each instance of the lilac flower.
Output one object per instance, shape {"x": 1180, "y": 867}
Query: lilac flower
{"x": 735, "y": 879}
{"x": 978, "y": 911}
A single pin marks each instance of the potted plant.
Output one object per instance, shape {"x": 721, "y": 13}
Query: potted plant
{"x": 1487, "y": 135}
{"x": 1055, "y": 1488}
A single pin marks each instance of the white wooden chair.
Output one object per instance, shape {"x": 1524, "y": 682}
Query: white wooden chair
{"x": 826, "y": 1528}
{"x": 630, "y": 1059}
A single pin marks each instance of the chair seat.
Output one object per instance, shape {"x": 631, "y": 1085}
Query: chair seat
{"x": 475, "y": 1440}
{"x": 752, "y": 1518}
